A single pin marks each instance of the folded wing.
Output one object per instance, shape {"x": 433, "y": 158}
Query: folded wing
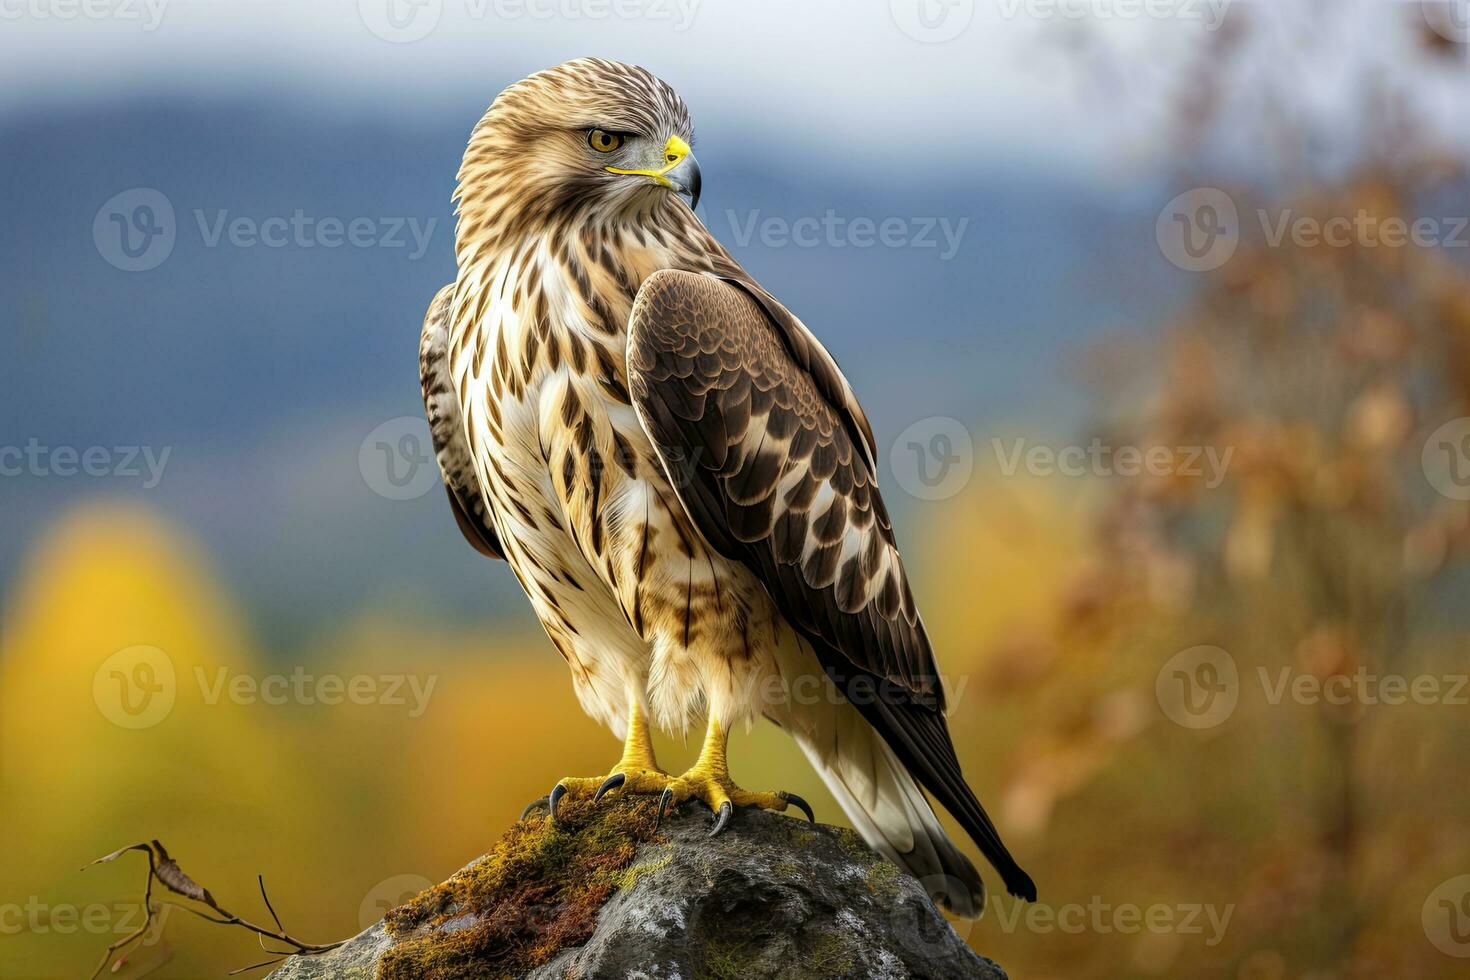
{"x": 446, "y": 427}
{"x": 773, "y": 459}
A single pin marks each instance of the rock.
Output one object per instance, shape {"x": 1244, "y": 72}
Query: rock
{"x": 603, "y": 894}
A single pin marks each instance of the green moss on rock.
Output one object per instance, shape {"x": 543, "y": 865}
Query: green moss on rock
{"x": 538, "y": 892}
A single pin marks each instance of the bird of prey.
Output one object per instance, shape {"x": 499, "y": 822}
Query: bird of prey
{"x": 679, "y": 475}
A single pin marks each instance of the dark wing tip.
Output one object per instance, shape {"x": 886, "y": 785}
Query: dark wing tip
{"x": 1019, "y": 883}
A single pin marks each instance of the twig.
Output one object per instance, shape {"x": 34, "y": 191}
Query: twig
{"x": 166, "y": 871}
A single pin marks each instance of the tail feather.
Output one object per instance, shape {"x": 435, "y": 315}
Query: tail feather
{"x": 921, "y": 740}
{"x": 890, "y": 811}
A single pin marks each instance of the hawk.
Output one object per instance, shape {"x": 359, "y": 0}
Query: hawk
{"x": 679, "y": 475}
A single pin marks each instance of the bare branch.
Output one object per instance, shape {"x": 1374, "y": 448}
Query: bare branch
{"x": 166, "y": 871}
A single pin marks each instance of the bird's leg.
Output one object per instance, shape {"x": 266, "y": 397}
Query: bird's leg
{"x": 638, "y": 767}
{"x": 636, "y": 772}
{"x": 709, "y": 780}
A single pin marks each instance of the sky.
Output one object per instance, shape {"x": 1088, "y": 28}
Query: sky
{"x": 866, "y": 81}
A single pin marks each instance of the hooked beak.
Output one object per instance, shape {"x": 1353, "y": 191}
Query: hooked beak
{"x": 679, "y": 172}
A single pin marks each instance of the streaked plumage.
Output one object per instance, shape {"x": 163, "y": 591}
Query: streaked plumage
{"x": 675, "y": 468}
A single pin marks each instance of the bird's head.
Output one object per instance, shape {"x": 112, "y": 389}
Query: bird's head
{"x": 588, "y": 134}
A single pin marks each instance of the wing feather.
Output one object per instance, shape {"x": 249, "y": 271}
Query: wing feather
{"x": 446, "y": 427}
{"x": 778, "y": 473}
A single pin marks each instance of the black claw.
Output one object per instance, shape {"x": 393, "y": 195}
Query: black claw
{"x": 557, "y": 792}
{"x": 664, "y": 800}
{"x": 723, "y": 818}
{"x": 612, "y": 782}
{"x": 534, "y": 805}
{"x": 800, "y": 804}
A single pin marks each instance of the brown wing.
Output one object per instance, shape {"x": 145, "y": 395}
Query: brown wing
{"x": 446, "y": 427}
{"x": 773, "y": 461}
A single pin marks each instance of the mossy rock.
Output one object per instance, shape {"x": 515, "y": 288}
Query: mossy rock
{"x": 601, "y": 893}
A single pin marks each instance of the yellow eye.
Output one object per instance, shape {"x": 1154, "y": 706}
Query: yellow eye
{"x": 604, "y": 142}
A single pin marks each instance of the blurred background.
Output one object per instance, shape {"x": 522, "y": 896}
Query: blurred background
{"x": 1161, "y": 313}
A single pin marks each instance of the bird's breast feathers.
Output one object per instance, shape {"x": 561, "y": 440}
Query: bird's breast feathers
{"x": 586, "y": 511}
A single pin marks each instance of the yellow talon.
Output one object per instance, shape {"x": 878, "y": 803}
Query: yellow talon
{"x": 709, "y": 780}
{"x": 636, "y": 772}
